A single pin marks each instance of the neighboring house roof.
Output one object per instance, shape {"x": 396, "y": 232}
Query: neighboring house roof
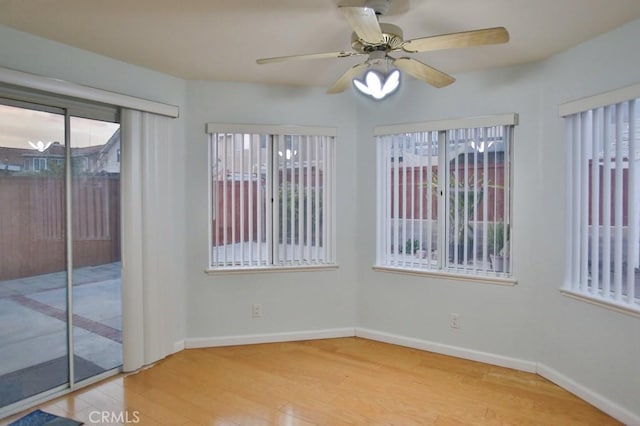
{"x": 14, "y": 158}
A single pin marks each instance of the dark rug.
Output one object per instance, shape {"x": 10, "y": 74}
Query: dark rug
{"x": 39, "y": 418}
{"x": 21, "y": 384}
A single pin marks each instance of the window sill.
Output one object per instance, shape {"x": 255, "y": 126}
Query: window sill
{"x": 449, "y": 275}
{"x": 269, "y": 269}
{"x": 604, "y": 303}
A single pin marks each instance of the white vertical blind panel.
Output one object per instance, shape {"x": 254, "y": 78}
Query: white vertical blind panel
{"x": 320, "y": 165}
{"x": 334, "y": 188}
{"x": 410, "y": 206}
{"x": 248, "y": 143}
{"x": 443, "y": 201}
{"x": 595, "y": 200}
{"x": 405, "y": 204}
{"x": 453, "y": 187}
{"x": 396, "y": 199}
{"x": 568, "y": 219}
{"x": 323, "y": 180}
{"x": 478, "y": 186}
{"x": 291, "y": 241}
{"x": 281, "y": 214}
{"x": 618, "y": 205}
{"x": 299, "y": 201}
{"x": 213, "y": 196}
{"x": 577, "y": 200}
{"x": 241, "y": 181}
{"x": 273, "y": 199}
{"x": 227, "y": 139}
{"x": 327, "y": 149}
{"x": 383, "y": 183}
{"x": 232, "y": 182}
{"x": 508, "y": 140}
{"x": 421, "y": 188}
{"x": 333, "y": 235}
{"x": 428, "y": 182}
{"x": 311, "y": 188}
{"x": 485, "y": 214}
{"x": 606, "y": 203}
{"x": 263, "y": 205}
{"x": 633, "y": 214}
{"x": 387, "y": 171}
{"x": 380, "y": 197}
{"x": 585, "y": 125}
{"x": 465, "y": 191}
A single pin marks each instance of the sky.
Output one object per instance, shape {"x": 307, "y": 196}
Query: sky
{"x": 18, "y": 126}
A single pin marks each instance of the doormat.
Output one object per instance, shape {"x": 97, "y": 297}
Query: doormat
{"x": 40, "y": 418}
{"x": 30, "y": 381}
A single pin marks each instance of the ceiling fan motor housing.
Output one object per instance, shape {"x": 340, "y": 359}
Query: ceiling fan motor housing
{"x": 393, "y": 40}
{"x": 379, "y": 6}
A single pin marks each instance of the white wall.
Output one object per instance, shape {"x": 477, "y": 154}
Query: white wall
{"x": 598, "y": 348}
{"x": 25, "y": 52}
{"x": 588, "y": 348}
{"x": 220, "y": 305}
{"x": 495, "y": 319}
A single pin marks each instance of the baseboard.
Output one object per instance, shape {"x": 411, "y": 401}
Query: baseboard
{"x": 178, "y": 346}
{"x": 250, "y": 339}
{"x": 458, "y": 352}
{"x": 611, "y": 408}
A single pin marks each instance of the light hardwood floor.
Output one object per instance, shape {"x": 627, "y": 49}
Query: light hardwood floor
{"x": 326, "y": 382}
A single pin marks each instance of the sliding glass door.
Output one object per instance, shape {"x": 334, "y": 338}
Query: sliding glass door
{"x": 59, "y": 249}
{"x": 33, "y": 333}
{"x": 95, "y": 203}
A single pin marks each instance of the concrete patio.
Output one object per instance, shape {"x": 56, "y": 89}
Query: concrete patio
{"x": 33, "y": 326}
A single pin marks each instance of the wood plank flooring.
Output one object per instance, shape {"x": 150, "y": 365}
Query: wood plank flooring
{"x": 325, "y": 382}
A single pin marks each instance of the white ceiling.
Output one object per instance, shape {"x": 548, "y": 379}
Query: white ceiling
{"x": 221, "y": 39}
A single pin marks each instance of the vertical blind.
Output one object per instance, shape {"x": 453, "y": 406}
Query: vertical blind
{"x": 603, "y": 203}
{"x": 478, "y": 194}
{"x": 271, "y": 199}
{"x": 407, "y": 207}
{"x": 444, "y": 200}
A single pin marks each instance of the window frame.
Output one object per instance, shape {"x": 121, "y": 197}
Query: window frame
{"x": 275, "y": 134}
{"x": 572, "y": 286}
{"x": 443, "y": 127}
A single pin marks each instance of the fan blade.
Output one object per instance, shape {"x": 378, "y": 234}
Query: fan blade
{"x": 423, "y": 72}
{"x": 454, "y": 40}
{"x": 330, "y": 55}
{"x": 365, "y": 24}
{"x": 345, "y": 79}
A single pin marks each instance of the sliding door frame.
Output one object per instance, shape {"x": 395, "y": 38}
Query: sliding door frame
{"x": 22, "y": 98}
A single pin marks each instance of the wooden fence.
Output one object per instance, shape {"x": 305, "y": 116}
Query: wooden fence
{"x": 418, "y": 188}
{"x": 33, "y": 223}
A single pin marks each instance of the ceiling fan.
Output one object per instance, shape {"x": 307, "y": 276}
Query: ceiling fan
{"x": 377, "y": 40}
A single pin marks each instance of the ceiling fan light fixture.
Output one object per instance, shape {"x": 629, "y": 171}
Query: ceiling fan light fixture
{"x": 380, "y": 41}
{"x": 377, "y": 85}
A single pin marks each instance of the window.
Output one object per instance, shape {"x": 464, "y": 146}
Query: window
{"x": 39, "y": 164}
{"x": 444, "y": 197}
{"x": 603, "y": 204}
{"x": 272, "y": 197}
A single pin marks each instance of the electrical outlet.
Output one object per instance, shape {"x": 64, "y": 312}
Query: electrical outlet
{"x": 454, "y": 320}
{"x": 256, "y": 310}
